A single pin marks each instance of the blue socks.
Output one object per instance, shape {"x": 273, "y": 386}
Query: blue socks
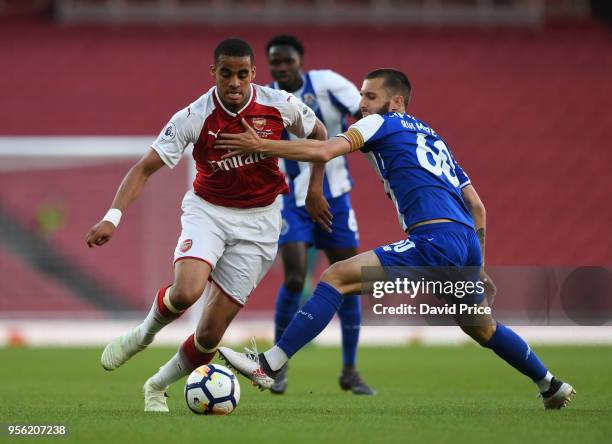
{"x": 350, "y": 321}
{"x": 287, "y": 304}
{"x": 326, "y": 300}
{"x": 311, "y": 319}
{"x": 514, "y": 350}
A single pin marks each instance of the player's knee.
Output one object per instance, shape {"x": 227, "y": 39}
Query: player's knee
{"x": 294, "y": 282}
{"x": 336, "y": 275}
{"x": 183, "y": 296}
{"x": 480, "y": 333}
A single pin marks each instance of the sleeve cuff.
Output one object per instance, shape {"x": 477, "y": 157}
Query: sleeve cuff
{"x": 164, "y": 157}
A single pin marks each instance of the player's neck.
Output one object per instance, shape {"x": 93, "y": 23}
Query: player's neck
{"x": 299, "y": 83}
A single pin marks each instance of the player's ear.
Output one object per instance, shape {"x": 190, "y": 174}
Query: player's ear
{"x": 212, "y": 70}
{"x": 397, "y": 103}
{"x": 253, "y": 72}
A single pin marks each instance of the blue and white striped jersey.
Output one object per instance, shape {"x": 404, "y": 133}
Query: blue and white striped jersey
{"x": 333, "y": 98}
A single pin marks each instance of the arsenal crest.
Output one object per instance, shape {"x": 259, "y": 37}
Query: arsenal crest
{"x": 259, "y": 123}
{"x": 186, "y": 245}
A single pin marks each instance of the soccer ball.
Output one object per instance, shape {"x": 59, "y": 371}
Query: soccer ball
{"x": 212, "y": 390}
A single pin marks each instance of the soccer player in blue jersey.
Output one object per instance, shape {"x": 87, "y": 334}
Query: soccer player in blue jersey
{"x": 436, "y": 205}
{"x": 333, "y": 98}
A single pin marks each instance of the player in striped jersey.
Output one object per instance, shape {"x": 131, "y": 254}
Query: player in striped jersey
{"x": 333, "y": 98}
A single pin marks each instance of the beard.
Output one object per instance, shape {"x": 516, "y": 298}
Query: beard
{"x": 382, "y": 110}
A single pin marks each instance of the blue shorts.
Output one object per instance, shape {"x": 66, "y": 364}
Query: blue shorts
{"x": 298, "y": 227}
{"x": 448, "y": 251}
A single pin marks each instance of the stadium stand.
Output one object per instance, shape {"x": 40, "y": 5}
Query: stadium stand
{"x": 526, "y": 113}
{"x": 40, "y": 295}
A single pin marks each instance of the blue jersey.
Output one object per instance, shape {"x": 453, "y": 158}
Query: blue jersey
{"x": 332, "y": 98}
{"x": 418, "y": 170}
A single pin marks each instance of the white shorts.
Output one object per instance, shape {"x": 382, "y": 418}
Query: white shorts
{"x": 239, "y": 244}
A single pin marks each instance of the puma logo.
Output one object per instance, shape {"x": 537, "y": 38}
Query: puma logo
{"x": 211, "y": 133}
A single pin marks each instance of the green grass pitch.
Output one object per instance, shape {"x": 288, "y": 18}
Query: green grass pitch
{"x": 425, "y": 394}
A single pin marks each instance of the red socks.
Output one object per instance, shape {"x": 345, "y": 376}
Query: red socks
{"x": 195, "y": 354}
{"x": 164, "y": 306}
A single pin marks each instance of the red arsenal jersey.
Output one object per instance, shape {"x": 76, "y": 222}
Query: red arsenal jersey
{"x": 244, "y": 180}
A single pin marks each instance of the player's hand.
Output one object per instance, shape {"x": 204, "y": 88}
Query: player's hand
{"x": 490, "y": 290}
{"x": 318, "y": 209}
{"x": 100, "y": 233}
{"x": 247, "y": 142}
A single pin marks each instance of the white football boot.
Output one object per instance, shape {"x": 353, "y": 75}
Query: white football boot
{"x": 118, "y": 351}
{"x": 154, "y": 399}
{"x": 559, "y": 395}
{"x": 251, "y": 365}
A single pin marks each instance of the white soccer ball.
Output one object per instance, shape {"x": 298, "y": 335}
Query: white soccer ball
{"x": 212, "y": 390}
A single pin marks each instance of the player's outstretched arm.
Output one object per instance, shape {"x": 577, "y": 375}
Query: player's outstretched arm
{"x": 128, "y": 191}
{"x": 306, "y": 150}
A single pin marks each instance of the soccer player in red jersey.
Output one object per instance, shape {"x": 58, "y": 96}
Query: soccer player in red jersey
{"x": 231, "y": 219}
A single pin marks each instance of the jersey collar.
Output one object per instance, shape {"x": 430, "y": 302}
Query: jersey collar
{"x": 231, "y": 113}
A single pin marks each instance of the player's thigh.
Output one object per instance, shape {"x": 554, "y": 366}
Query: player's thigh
{"x": 344, "y": 234}
{"x": 218, "y": 312}
{"x": 348, "y": 276}
{"x": 339, "y": 254}
{"x": 242, "y": 266}
{"x": 294, "y": 256}
{"x": 202, "y": 239}
{"x": 297, "y": 227}
{"x": 249, "y": 252}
